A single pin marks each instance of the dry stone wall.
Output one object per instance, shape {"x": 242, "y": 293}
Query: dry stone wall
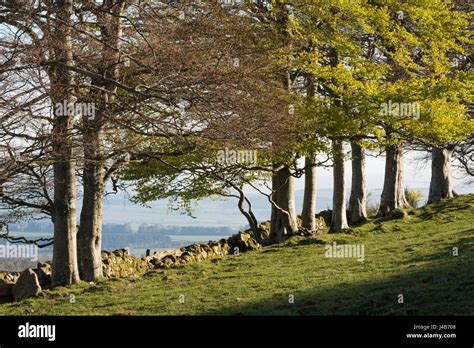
{"x": 15, "y": 286}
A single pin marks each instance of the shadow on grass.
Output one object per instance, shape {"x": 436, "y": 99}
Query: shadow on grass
{"x": 446, "y": 288}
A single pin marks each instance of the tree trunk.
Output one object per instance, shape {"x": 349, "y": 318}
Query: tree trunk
{"x": 89, "y": 238}
{"x": 90, "y": 230}
{"x": 339, "y": 214}
{"x": 441, "y": 186}
{"x": 358, "y": 199}
{"x": 308, "y": 214}
{"x": 64, "y": 268}
{"x": 393, "y": 194}
{"x": 283, "y": 220}
{"x": 249, "y": 215}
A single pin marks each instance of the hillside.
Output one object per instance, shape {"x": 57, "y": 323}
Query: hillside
{"x": 413, "y": 257}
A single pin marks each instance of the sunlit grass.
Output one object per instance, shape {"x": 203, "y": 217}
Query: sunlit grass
{"x": 413, "y": 258}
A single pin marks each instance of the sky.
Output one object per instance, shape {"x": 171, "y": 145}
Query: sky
{"x": 219, "y": 213}
{"x": 417, "y": 174}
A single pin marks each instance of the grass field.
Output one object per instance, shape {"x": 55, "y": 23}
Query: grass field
{"x": 411, "y": 257}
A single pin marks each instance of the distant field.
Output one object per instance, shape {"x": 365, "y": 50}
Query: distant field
{"x": 140, "y": 252}
{"x": 178, "y": 238}
{"x": 185, "y": 239}
{"x": 32, "y": 234}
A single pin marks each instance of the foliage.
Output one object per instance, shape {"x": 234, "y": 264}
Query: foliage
{"x": 414, "y": 197}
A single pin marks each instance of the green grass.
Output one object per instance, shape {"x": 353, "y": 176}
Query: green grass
{"x": 412, "y": 257}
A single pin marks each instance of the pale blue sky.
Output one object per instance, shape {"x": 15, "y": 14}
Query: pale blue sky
{"x": 417, "y": 174}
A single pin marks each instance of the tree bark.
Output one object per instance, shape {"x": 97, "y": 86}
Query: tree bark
{"x": 89, "y": 238}
{"x": 441, "y": 185}
{"x": 64, "y": 267}
{"x": 90, "y": 230}
{"x": 283, "y": 220}
{"x": 339, "y": 214}
{"x": 248, "y": 214}
{"x": 393, "y": 194}
{"x": 358, "y": 199}
{"x": 308, "y": 214}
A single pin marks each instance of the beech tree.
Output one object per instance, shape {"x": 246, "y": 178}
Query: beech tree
{"x": 334, "y": 59}
{"x": 173, "y": 84}
{"x": 441, "y": 185}
{"x": 358, "y": 197}
{"x": 105, "y": 27}
{"x": 66, "y": 75}
{"x": 422, "y": 38}
{"x": 34, "y": 31}
{"x": 225, "y": 100}
{"x": 464, "y": 154}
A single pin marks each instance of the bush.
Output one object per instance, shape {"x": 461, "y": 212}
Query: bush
{"x": 414, "y": 197}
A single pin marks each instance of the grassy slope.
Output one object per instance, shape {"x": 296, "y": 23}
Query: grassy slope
{"x": 411, "y": 257}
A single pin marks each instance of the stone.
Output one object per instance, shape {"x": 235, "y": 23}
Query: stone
{"x": 326, "y": 216}
{"x": 161, "y": 254}
{"x": 193, "y": 248}
{"x": 119, "y": 264}
{"x": 395, "y": 214}
{"x": 26, "y": 286}
{"x": 9, "y": 277}
{"x": 120, "y": 252}
{"x": 168, "y": 260}
{"x": 244, "y": 241}
{"x": 158, "y": 264}
{"x": 5, "y": 288}
{"x": 320, "y": 224}
{"x": 187, "y": 257}
{"x": 43, "y": 271}
{"x": 202, "y": 255}
{"x": 215, "y": 247}
{"x": 262, "y": 235}
{"x": 225, "y": 247}
{"x": 398, "y": 214}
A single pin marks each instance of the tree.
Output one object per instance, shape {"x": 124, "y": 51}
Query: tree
{"x": 358, "y": 198}
{"x": 223, "y": 100}
{"x": 464, "y": 154}
{"x": 417, "y": 52}
{"x": 36, "y": 28}
{"x": 309, "y": 200}
{"x": 66, "y": 75}
{"x": 102, "y": 91}
{"x": 339, "y": 215}
{"x": 441, "y": 186}
{"x": 334, "y": 59}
